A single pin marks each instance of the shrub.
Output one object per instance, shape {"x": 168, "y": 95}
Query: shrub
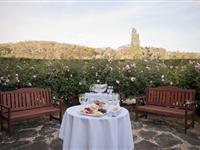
{"x": 69, "y": 78}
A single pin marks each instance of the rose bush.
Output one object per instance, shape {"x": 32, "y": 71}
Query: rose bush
{"x": 69, "y": 78}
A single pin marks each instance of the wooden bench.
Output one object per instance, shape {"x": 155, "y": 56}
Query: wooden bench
{"x": 168, "y": 101}
{"x": 27, "y": 103}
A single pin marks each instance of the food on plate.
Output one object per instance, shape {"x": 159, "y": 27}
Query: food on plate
{"x": 87, "y": 110}
{"x": 94, "y": 109}
{"x": 102, "y": 110}
{"x": 99, "y": 103}
{"x": 93, "y": 106}
{"x": 114, "y": 109}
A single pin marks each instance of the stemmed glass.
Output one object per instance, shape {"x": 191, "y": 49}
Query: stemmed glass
{"x": 110, "y": 90}
{"x": 82, "y": 99}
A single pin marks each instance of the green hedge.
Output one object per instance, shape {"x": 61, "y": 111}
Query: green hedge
{"x": 68, "y": 78}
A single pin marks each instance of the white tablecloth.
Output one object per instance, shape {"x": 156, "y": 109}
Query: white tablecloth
{"x": 80, "y": 132}
{"x": 101, "y": 96}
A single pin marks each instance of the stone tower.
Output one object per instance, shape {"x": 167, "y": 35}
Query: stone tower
{"x": 135, "y": 39}
{"x": 136, "y": 52}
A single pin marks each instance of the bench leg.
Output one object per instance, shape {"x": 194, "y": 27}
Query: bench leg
{"x": 193, "y": 121}
{"x": 60, "y": 117}
{"x": 50, "y": 117}
{"x": 1, "y": 124}
{"x": 146, "y": 114}
{"x": 9, "y": 127}
{"x": 185, "y": 124}
{"x": 136, "y": 115}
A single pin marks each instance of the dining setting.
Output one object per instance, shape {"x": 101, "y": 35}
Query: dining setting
{"x": 99, "y": 122}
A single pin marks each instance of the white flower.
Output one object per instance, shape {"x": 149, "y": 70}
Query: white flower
{"x": 54, "y": 97}
{"x": 190, "y": 62}
{"x": 162, "y": 77}
{"x": 145, "y": 60}
{"x": 148, "y": 68}
{"x": 1, "y": 78}
{"x": 141, "y": 71}
{"x": 171, "y": 67}
{"x": 18, "y": 81}
{"x": 7, "y": 80}
{"x": 111, "y": 68}
{"x": 176, "y": 67}
{"x": 151, "y": 81}
{"x": 133, "y": 79}
{"x": 117, "y": 81}
{"x": 96, "y": 74}
{"x": 16, "y": 75}
{"x": 133, "y": 65}
{"x": 92, "y": 67}
{"x": 80, "y": 83}
{"x": 98, "y": 81}
{"x": 171, "y": 83}
{"x": 29, "y": 84}
{"x": 162, "y": 80}
{"x": 126, "y": 68}
{"x": 34, "y": 76}
{"x": 71, "y": 75}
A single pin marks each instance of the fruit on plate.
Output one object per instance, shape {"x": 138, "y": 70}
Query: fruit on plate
{"x": 99, "y": 103}
{"x": 102, "y": 110}
{"x": 87, "y": 110}
{"x": 115, "y": 109}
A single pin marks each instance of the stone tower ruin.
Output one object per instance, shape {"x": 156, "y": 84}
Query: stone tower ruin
{"x": 135, "y": 45}
{"x": 135, "y": 39}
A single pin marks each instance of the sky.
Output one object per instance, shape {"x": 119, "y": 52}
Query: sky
{"x": 173, "y": 25}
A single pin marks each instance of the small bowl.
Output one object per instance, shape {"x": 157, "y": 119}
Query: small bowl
{"x": 98, "y": 88}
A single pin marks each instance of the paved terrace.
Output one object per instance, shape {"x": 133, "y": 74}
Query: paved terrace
{"x": 154, "y": 133}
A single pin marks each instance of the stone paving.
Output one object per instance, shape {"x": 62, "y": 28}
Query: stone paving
{"x": 154, "y": 133}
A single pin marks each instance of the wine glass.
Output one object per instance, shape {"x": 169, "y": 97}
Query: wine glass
{"x": 82, "y": 99}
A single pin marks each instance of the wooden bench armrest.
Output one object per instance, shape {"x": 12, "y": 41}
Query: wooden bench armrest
{"x": 140, "y": 100}
{"x": 58, "y": 102}
{"x": 140, "y": 97}
{"x": 3, "y": 106}
{"x": 190, "y": 102}
{"x": 4, "y": 109}
{"x": 190, "y": 105}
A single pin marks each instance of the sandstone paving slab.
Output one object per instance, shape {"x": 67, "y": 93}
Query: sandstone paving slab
{"x": 167, "y": 140}
{"x": 157, "y": 125}
{"x": 147, "y": 135}
{"x": 27, "y": 133}
{"x": 39, "y": 138}
{"x": 193, "y": 148}
{"x": 137, "y": 124}
{"x": 56, "y": 144}
{"x": 40, "y": 145}
{"x": 14, "y": 145}
{"x": 146, "y": 145}
{"x": 191, "y": 138}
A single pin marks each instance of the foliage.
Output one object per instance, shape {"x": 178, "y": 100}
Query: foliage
{"x": 69, "y": 78}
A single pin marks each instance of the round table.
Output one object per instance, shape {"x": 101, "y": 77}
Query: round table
{"x": 81, "y": 132}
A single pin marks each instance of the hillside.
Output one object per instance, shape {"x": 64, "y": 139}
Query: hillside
{"x": 49, "y": 50}
{"x": 55, "y": 50}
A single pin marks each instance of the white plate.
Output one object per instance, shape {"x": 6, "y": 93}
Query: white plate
{"x": 93, "y": 115}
